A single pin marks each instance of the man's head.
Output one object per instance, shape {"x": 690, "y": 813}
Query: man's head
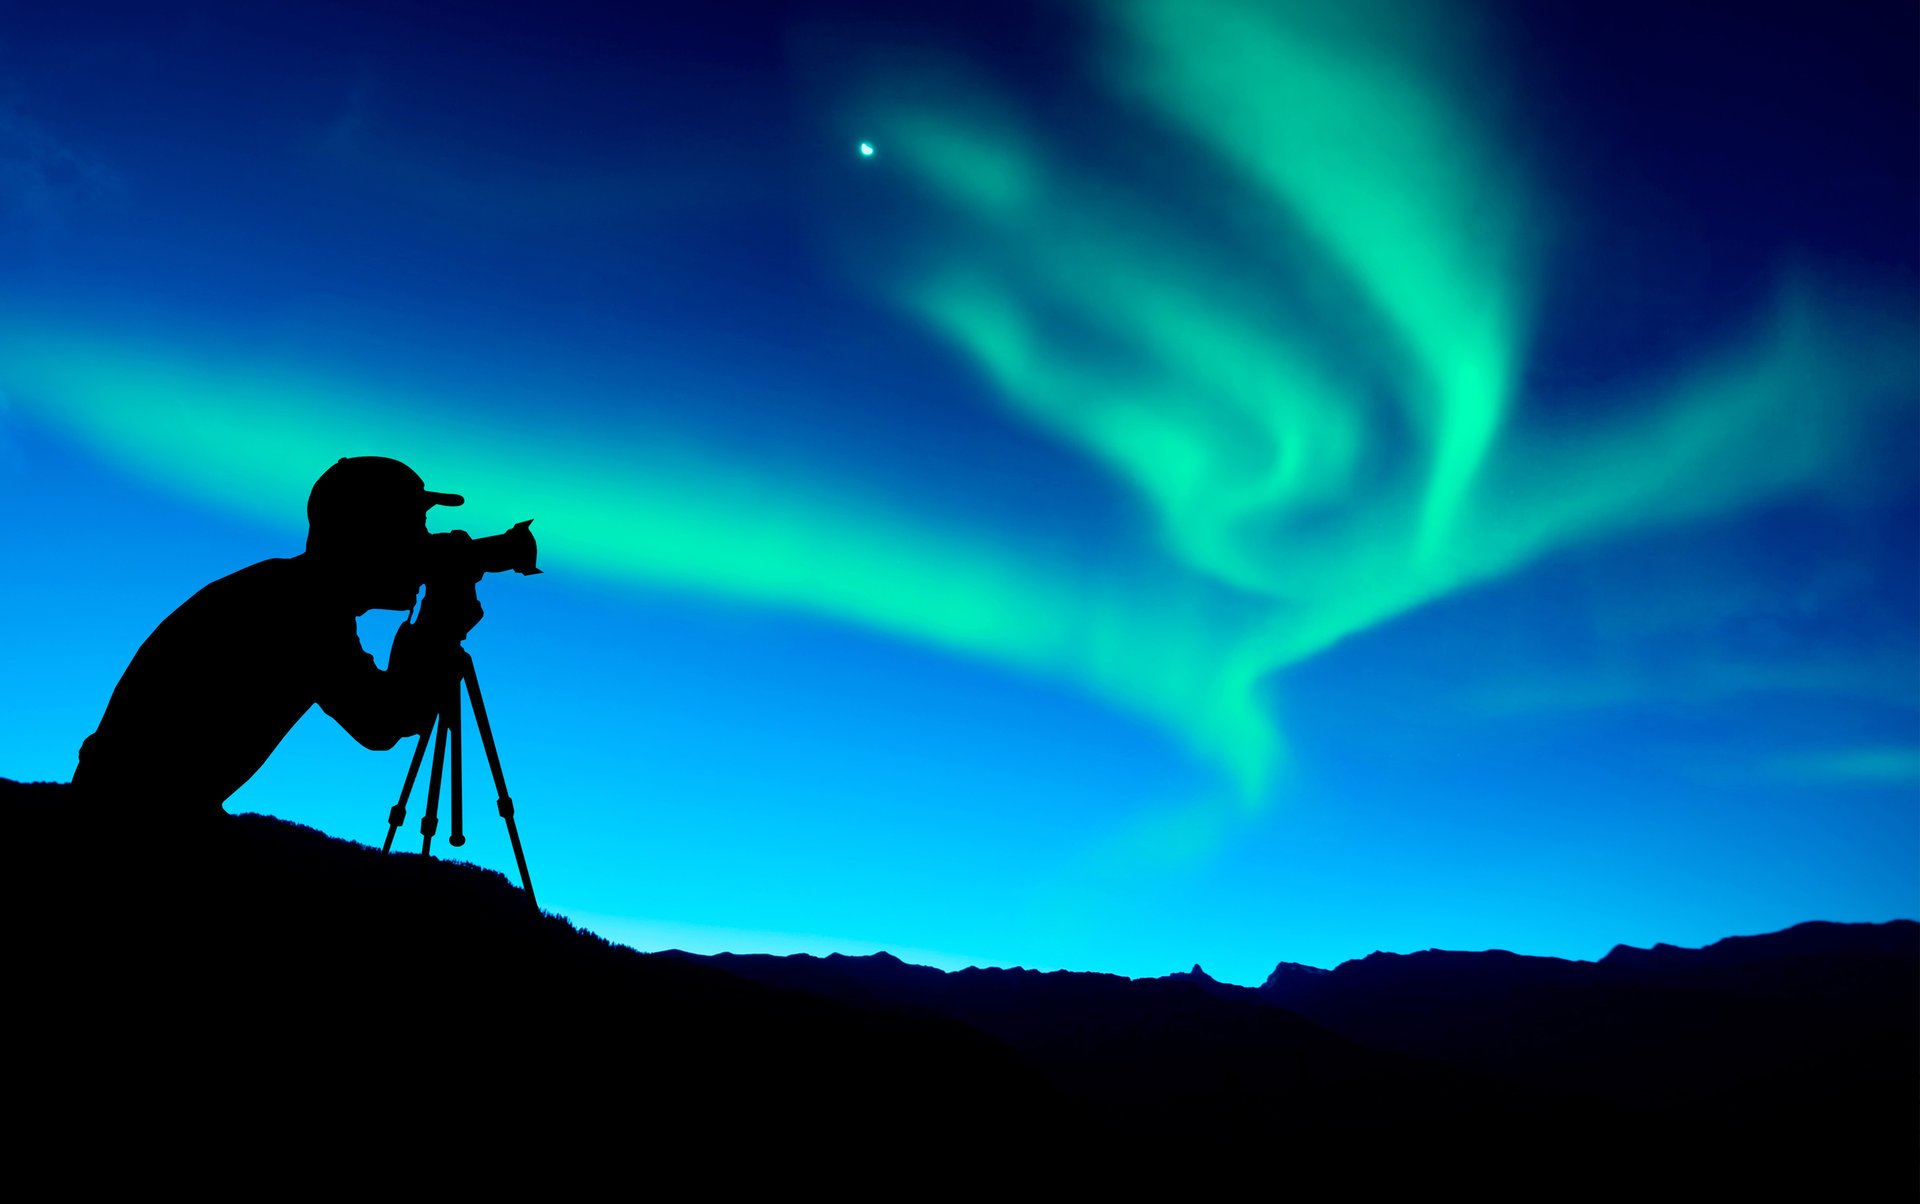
{"x": 367, "y": 520}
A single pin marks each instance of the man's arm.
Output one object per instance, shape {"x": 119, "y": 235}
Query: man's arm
{"x": 379, "y": 708}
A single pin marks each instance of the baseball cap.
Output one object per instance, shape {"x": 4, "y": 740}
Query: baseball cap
{"x": 360, "y": 491}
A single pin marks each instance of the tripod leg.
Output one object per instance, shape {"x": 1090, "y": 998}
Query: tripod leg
{"x": 430, "y": 819}
{"x": 458, "y": 835}
{"x": 499, "y": 779}
{"x": 398, "y": 815}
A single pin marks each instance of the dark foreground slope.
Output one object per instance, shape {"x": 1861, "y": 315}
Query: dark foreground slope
{"x": 263, "y": 993}
{"x": 1814, "y": 1027}
{"x": 263, "y": 997}
{"x": 1763, "y": 1064}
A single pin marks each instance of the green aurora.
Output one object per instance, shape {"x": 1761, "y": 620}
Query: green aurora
{"x": 1253, "y": 438}
{"x": 1309, "y": 384}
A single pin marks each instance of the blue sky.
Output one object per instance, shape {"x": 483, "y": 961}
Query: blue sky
{"x": 1227, "y": 484}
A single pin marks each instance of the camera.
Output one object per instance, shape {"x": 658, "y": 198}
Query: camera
{"x": 457, "y": 556}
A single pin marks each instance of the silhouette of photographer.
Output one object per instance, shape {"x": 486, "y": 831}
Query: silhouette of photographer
{"x": 221, "y": 681}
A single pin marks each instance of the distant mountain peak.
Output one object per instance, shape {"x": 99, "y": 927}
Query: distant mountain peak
{"x": 1294, "y": 972}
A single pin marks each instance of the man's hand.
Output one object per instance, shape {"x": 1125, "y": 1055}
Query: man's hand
{"x": 427, "y": 658}
{"x": 450, "y": 610}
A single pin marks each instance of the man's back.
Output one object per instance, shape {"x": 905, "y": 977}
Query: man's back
{"x": 222, "y": 680}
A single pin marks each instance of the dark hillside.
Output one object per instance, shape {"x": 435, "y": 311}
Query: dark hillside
{"x": 260, "y": 995}
{"x": 265, "y": 987}
{"x": 1165, "y": 1059}
{"x": 1809, "y": 1029}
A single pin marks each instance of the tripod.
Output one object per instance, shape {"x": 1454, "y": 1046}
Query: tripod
{"x": 447, "y": 729}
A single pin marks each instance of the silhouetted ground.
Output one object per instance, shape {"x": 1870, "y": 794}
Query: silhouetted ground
{"x": 260, "y": 999}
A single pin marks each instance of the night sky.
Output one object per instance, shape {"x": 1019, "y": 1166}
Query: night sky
{"x": 1219, "y": 482}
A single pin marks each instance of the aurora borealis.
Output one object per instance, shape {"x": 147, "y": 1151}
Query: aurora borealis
{"x": 1221, "y": 482}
